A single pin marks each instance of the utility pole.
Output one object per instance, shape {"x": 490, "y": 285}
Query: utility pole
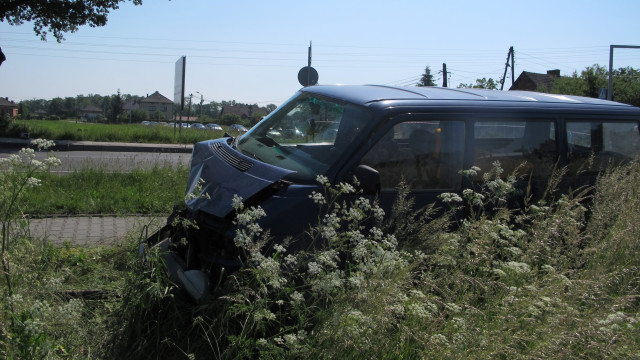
{"x": 444, "y": 75}
{"x": 513, "y": 66}
{"x": 506, "y": 66}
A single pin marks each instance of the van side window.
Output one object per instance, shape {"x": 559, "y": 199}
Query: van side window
{"x": 426, "y": 154}
{"x": 601, "y": 141}
{"x": 515, "y": 142}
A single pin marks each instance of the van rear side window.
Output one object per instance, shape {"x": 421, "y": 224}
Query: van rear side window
{"x": 593, "y": 145}
{"x": 427, "y": 155}
{"x": 515, "y": 142}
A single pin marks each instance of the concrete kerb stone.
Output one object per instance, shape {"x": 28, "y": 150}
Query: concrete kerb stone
{"x": 72, "y": 145}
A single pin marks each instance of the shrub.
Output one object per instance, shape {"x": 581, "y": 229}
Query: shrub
{"x": 5, "y": 122}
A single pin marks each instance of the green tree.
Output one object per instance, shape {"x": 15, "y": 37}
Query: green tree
{"x": 481, "y": 84}
{"x": 229, "y": 119}
{"x": 70, "y": 107}
{"x": 427, "y": 78}
{"x": 23, "y": 110}
{"x": 139, "y": 115}
{"x": 56, "y": 107}
{"x": 60, "y": 16}
{"x": 115, "y": 108}
{"x": 626, "y": 84}
{"x": 271, "y": 107}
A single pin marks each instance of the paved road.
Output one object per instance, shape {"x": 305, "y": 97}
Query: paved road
{"x": 107, "y": 156}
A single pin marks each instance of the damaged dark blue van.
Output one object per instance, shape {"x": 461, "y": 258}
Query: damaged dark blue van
{"x": 382, "y": 135}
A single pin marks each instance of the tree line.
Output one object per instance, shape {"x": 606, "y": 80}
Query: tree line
{"x": 113, "y": 109}
{"x": 626, "y": 83}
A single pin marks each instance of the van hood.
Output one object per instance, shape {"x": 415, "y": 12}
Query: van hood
{"x": 218, "y": 172}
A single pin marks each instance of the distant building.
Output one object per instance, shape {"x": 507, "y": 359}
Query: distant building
{"x": 90, "y": 113}
{"x": 157, "y": 103}
{"x": 535, "y": 82}
{"x": 243, "y": 111}
{"x": 8, "y": 107}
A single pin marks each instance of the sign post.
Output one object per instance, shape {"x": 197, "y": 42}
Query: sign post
{"x": 178, "y": 89}
{"x": 308, "y": 76}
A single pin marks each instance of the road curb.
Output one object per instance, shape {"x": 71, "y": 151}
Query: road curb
{"x": 71, "y": 145}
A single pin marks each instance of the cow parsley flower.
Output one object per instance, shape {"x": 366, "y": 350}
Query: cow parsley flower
{"x": 296, "y": 298}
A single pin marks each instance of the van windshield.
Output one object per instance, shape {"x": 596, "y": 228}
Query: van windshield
{"x": 306, "y": 135}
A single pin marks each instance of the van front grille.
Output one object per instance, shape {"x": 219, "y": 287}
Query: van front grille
{"x": 230, "y": 158}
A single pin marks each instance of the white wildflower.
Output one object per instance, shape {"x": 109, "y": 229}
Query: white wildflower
{"x": 355, "y": 214}
{"x": 416, "y": 294}
{"x": 517, "y": 267}
{"x": 43, "y": 144}
{"x": 378, "y": 213}
{"x": 416, "y": 309}
{"x": 323, "y": 180}
{"x": 263, "y": 314}
{"x": 317, "y": 198}
{"x": 376, "y": 233}
{"x": 439, "y": 339}
{"x": 363, "y": 204}
{"x": 449, "y": 198}
{"x": 454, "y": 308}
{"x": 356, "y": 281}
{"x": 52, "y": 161}
{"x": 296, "y": 298}
{"x": 290, "y": 260}
{"x": 346, "y": 188}
{"x": 237, "y": 202}
{"x": 32, "y": 182}
{"x": 313, "y": 268}
{"x": 241, "y": 239}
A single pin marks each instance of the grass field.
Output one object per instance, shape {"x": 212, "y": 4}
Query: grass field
{"x": 97, "y": 191}
{"x": 73, "y": 130}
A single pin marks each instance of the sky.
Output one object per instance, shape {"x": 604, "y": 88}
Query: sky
{"x": 251, "y": 51}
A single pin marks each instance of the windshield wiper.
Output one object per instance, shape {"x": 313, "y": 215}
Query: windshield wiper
{"x": 252, "y": 155}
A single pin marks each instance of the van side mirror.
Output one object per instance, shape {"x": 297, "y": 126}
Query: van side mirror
{"x": 368, "y": 179}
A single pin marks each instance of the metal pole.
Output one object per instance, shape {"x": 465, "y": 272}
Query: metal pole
{"x": 610, "y": 87}
{"x": 611, "y": 47}
{"x": 309, "y": 66}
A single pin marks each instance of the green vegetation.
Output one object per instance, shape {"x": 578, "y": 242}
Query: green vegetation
{"x": 72, "y": 130}
{"x": 557, "y": 279}
{"x": 96, "y": 191}
{"x": 590, "y": 80}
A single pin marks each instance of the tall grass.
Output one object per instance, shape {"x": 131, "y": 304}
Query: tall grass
{"x": 135, "y": 133}
{"x": 558, "y": 279}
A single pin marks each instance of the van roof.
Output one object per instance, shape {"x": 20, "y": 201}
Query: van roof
{"x": 366, "y": 94}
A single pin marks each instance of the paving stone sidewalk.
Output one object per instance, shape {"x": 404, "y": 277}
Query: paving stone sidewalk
{"x": 92, "y": 230}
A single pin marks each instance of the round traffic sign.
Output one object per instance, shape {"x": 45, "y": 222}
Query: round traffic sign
{"x": 307, "y": 76}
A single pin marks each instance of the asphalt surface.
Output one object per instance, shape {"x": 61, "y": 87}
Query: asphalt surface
{"x": 93, "y": 230}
